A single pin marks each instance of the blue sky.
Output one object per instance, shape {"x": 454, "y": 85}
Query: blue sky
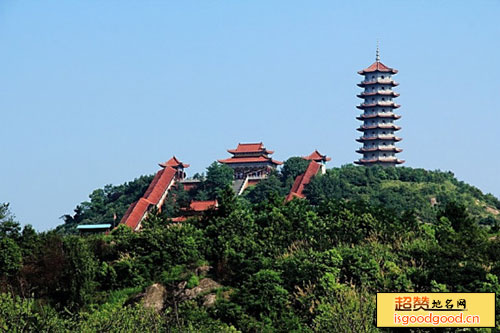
{"x": 99, "y": 92}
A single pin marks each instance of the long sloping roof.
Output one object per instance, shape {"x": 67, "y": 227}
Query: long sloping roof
{"x": 156, "y": 190}
{"x": 302, "y": 180}
{"x": 136, "y": 213}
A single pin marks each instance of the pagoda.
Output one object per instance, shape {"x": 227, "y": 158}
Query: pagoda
{"x": 378, "y": 116}
{"x": 251, "y": 160}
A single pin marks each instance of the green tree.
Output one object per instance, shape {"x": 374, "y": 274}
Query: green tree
{"x": 10, "y": 257}
{"x": 219, "y": 176}
{"x": 264, "y": 189}
{"x": 293, "y": 167}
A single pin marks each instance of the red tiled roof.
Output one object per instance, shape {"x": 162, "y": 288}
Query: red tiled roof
{"x": 388, "y": 104}
{"x": 378, "y": 148}
{"x": 136, "y": 213}
{"x": 179, "y": 219}
{"x": 259, "y": 159}
{"x": 379, "y": 137}
{"x": 316, "y": 156}
{"x": 377, "y": 66}
{"x": 200, "y": 206}
{"x": 250, "y": 148}
{"x": 377, "y": 81}
{"x": 379, "y": 115}
{"x": 380, "y": 125}
{"x": 174, "y": 163}
{"x": 189, "y": 186}
{"x": 378, "y": 92}
{"x": 302, "y": 180}
{"x": 380, "y": 160}
{"x": 160, "y": 185}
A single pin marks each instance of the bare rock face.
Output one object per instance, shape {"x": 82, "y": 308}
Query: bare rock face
{"x": 154, "y": 297}
{"x": 209, "y": 300}
{"x": 206, "y": 285}
{"x": 202, "y": 270}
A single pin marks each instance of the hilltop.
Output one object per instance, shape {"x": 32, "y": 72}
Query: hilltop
{"x": 400, "y": 189}
{"x": 256, "y": 262}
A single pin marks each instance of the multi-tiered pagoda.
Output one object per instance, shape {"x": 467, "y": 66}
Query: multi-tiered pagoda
{"x": 378, "y": 116}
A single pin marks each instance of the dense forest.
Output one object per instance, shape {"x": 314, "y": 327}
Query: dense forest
{"x": 256, "y": 263}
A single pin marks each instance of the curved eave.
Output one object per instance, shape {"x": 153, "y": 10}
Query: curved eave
{"x": 379, "y": 161}
{"x": 378, "y": 93}
{"x": 373, "y": 138}
{"x": 368, "y": 83}
{"x": 367, "y": 128}
{"x": 378, "y": 66}
{"x": 366, "y": 71}
{"x": 378, "y": 115}
{"x": 381, "y": 104}
{"x": 371, "y": 150}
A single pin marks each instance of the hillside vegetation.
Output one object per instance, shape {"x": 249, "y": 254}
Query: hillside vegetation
{"x": 310, "y": 265}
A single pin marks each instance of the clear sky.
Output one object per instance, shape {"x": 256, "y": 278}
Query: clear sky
{"x": 98, "y": 92}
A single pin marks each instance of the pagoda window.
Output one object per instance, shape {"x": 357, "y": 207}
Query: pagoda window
{"x": 383, "y": 88}
{"x": 385, "y": 155}
{"x": 383, "y": 98}
{"x": 382, "y": 76}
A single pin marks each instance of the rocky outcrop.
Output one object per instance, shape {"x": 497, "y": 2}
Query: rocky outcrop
{"x": 157, "y": 297}
{"x": 206, "y": 285}
{"x": 154, "y": 297}
{"x": 209, "y": 300}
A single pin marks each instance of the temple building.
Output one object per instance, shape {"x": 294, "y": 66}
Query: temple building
{"x": 172, "y": 171}
{"x": 317, "y": 165}
{"x": 378, "y": 116}
{"x": 251, "y": 160}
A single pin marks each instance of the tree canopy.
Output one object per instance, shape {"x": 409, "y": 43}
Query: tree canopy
{"x": 308, "y": 265}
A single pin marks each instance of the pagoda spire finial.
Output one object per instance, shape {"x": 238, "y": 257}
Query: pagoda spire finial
{"x": 377, "y": 54}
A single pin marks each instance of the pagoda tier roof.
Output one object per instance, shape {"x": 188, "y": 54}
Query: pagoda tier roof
{"x": 378, "y": 115}
{"x": 302, "y": 180}
{"x": 389, "y": 104}
{"x": 380, "y": 160}
{"x": 377, "y": 66}
{"x": 257, "y": 159}
{"x": 382, "y": 126}
{"x": 378, "y": 93}
{"x": 317, "y": 156}
{"x": 378, "y": 148}
{"x": 378, "y": 81}
{"x": 379, "y": 137}
{"x": 250, "y": 148}
{"x": 174, "y": 163}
